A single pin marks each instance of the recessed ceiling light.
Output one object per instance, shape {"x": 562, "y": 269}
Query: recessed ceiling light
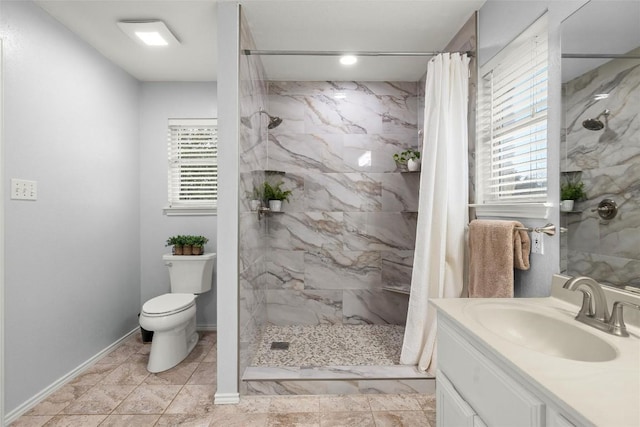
{"x": 348, "y": 60}
{"x": 149, "y": 33}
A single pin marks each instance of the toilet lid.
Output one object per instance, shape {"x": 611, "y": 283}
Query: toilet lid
{"x": 168, "y": 303}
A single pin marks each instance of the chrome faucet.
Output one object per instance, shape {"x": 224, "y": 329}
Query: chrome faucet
{"x": 598, "y": 314}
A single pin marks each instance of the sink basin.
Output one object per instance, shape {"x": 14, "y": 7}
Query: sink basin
{"x": 541, "y": 332}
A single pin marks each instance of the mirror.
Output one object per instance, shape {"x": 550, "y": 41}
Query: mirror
{"x": 601, "y": 142}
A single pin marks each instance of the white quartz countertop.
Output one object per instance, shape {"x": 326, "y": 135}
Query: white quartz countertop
{"x": 603, "y": 393}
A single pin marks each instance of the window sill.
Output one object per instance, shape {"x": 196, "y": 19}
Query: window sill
{"x": 189, "y": 211}
{"x": 515, "y": 210}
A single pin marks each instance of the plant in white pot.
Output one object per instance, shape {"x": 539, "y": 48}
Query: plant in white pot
{"x": 409, "y": 157}
{"x": 569, "y": 193}
{"x": 275, "y": 195}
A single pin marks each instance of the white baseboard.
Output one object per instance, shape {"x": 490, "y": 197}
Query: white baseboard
{"x": 42, "y": 395}
{"x": 206, "y": 328}
{"x": 226, "y": 398}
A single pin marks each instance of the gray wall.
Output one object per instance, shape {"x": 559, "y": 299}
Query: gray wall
{"x": 158, "y": 103}
{"x": 72, "y": 264}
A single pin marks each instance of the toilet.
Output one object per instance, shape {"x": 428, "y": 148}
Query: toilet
{"x": 172, "y": 316}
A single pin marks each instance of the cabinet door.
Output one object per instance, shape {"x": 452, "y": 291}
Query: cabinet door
{"x": 452, "y": 410}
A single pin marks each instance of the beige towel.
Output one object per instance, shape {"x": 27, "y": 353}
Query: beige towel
{"x": 495, "y": 249}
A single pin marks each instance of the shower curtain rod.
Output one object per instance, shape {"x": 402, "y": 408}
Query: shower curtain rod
{"x": 599, "y": 56}
{"x": 339, "y": 53}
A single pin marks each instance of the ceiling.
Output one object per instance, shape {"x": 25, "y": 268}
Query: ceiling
{"x": 344, "y": 25}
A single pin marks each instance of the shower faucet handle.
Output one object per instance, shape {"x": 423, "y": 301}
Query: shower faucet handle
{"x": 607, "y": 209}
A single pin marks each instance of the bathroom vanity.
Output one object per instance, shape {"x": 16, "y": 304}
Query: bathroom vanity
{"x": 527, "y": 362}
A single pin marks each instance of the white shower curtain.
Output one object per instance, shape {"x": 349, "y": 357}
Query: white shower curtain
{"x": 438, "y": 265}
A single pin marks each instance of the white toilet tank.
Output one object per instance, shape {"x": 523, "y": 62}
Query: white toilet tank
{"x": 190, "y": 274}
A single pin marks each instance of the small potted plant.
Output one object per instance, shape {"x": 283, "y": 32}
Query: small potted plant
{"x": 255, "y": 198}
{"x": 178, "y": 244}
{"x": 409, "y": 157}
{"x": 275, "y": 195}
{"x": 569, "y": 193}
{"x": 197, "y": 245}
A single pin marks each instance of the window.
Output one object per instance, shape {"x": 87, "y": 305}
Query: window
{"x": 193, "y": 166}
{"x": 512, "y": 122}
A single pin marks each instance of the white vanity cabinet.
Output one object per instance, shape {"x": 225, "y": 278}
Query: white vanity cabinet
{"x": 473, "y": 390}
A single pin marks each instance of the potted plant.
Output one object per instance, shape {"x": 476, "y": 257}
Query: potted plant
{"x": 275, "y": 195}
{"x": 255, "y": 198}
{"x": 197, "y": 244}
{"x": 569, "y": 193}
{"x": 409, "y": 157}
{"x": 178, "y": 244}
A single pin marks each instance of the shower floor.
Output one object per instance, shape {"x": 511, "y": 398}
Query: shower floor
{"x": 330, "y": 345}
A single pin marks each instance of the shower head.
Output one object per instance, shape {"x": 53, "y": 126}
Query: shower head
{"x": 274, "y": 121}
{"x": 596, "y": 124}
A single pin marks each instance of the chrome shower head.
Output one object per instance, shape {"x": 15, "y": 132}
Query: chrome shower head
{"x": 274, "y": 121}
{"x": 596, "y": 124}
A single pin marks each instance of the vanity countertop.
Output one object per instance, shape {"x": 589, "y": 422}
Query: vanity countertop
{"x": 605, "y": 393}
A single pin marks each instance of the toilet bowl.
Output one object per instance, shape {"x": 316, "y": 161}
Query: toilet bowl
{"x": 172, "y": 316}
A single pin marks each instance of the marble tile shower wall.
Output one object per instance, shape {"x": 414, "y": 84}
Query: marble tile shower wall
{"x": 610, "y": 165}
{"x": 252, "y": 240}
{"x": 350, "y": 226}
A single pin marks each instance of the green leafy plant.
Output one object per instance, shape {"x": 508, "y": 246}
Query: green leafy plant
{"x": 275, "y": 192}
{"x": 572, "y": 191}
{"x": 256, "y": 194}
{"x": 175, "y": 241}
{"x": 404, "y": 156}
{"x": 198, "y": 241}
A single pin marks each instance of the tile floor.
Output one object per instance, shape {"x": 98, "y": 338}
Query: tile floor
{"x": 118, "y": 391}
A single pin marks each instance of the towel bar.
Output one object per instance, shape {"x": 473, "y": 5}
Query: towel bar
{"x": 549, "y": 229}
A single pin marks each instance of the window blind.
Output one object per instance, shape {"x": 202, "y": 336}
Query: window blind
{"x": 512, "y": 121}
{"x": 193, "y": 165}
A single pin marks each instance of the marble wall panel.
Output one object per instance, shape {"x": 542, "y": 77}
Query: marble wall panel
{"x": 397, "y": 267}
{"x": 308, "y": 307}
{"x": 343, "y": 270}
{"x": 609, "y": 161}
{"x": 374, "y": 307}
{"x": 350, "y": 202}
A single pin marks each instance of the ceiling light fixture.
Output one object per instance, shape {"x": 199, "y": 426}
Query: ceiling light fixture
{"x": 348, "y": 60}
{"x": 149, "y": 33}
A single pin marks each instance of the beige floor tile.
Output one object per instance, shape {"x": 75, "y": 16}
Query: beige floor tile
{"x": 301, "y": 419}
{"x": 212, "y": 355}
{"x": 346, "y": 419}
{"x": 198, "y": 353}
{"x": 75, "y": 421}
{"x": 401, "y": 419}
{"x": 140, "y": 358}
{"x": 426, "y": 401}
{"x": 193, "y": 399}
{"x": 31, "y": 421}
{"x": 344, "y": 403}
{"x": 291, "y": 404}
{"x": 101, "y": 399}
{"x": 205, "y": 374}
{"x": 431, "y": 417}
{"x": 239, "y": 420}
{"x": 247, "y": 405}
{"x": 178, "y": 375}
{"x": 148, "y": 399}
{"x": 207, "y": 338}
{"x": 59, "y": 400}
{"x": 94, "y": 374}
{"x": 393, "y": 402}
{"x": 119, "y": 355}
{"x": 130, "y": 421}
{"x": 184, "y": 420}
{"x": 127, "y": 374}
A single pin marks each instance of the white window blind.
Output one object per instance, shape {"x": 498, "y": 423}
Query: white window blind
{"x": 512, "y": 121}
{"x": 193, "y": 165}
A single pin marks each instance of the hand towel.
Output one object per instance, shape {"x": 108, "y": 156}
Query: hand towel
{"x": 495, "y": 249}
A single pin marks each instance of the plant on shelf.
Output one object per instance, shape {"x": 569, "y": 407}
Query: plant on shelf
{"x": 197, "y": 244}
{"x": 255, "y": 198}
{"x": 409, "y": 157}
{"x": 571, "y": 191}
{"x": 275, "y": 195}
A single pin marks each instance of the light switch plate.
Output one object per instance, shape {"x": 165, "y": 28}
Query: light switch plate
{"x": 22, "y": 189}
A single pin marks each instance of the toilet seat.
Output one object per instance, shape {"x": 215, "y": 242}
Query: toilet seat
{"x": 167, "y": 304}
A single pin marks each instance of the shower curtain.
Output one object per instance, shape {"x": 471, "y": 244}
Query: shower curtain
{"x": 438, "y": 266}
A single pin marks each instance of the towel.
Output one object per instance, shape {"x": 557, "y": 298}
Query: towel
{"x": 495, "y": 249}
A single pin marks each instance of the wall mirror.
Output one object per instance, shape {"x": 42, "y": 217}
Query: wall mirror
{"x": 601, "y": 142}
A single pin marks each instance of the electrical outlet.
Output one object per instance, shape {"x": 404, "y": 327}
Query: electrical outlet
{"x": 537, "y": 245}
{"x": 22, "y": 189}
